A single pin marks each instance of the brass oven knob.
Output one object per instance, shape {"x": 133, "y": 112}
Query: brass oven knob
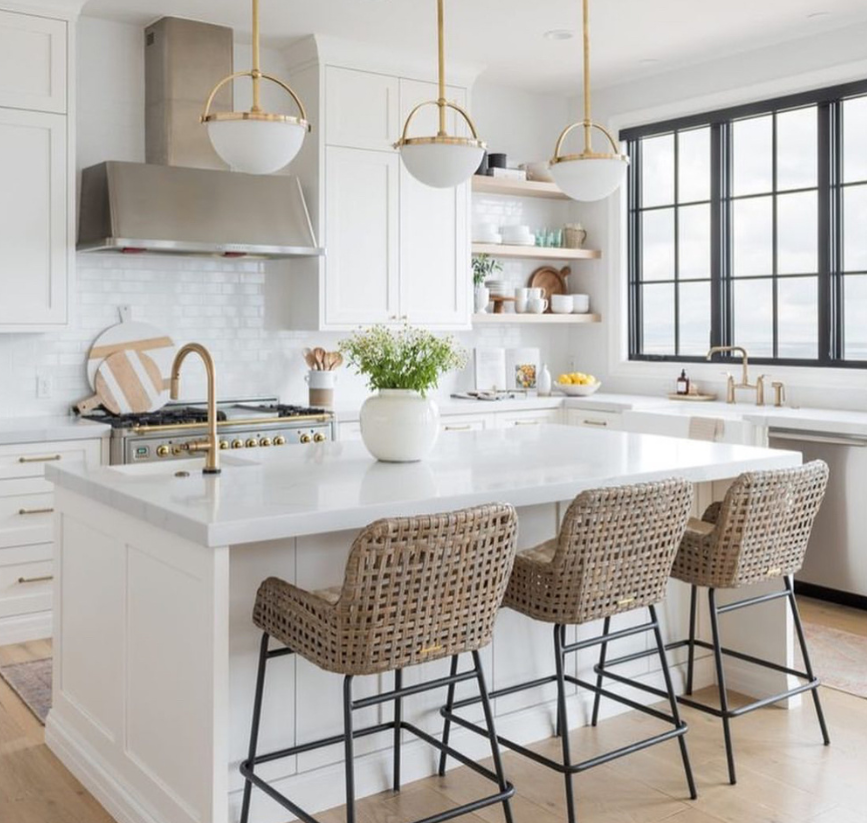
{"x": 265, "y": 441}
{"x": 176, "y": 450}
{"x": 237, "y": 444}
{"x": 319, "y": 437}
{"x": 279, "y": 440}
{"x": 252, "y": 443}
{"x": 305, "y": 438}
{"x": 224, "y": 444}
{"x": 162, "y": 451}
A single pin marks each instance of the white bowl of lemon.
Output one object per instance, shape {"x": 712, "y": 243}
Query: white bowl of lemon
{"x": 577, "y": 384}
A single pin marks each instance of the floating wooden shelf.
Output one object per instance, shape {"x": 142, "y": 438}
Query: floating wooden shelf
{"x": 516, "y": 188}
{"x": 535, "y": 252}
{"x": 541, "y": 319}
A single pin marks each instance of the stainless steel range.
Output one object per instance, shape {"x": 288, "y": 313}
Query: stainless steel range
{"x": 243, "y": 424}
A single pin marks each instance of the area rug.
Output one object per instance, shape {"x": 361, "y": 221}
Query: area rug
{"x": 839, "y": 658}
{"x": 31, "y": 681}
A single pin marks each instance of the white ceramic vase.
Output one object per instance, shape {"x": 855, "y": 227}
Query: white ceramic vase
{"x": 399, "y": 425}
{"x": 483, "y": 297}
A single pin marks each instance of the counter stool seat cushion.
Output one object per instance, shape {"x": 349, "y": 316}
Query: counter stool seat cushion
{"x": 613, "y": 554}
{"x": 415, "y": 589}
{"x": 758, "y": 532}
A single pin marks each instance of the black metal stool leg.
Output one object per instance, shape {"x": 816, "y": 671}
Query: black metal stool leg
{"x": 447, "y": 723}
{"x": 398, "y": 717}
{"x": 492, "y": 732}
{"x": 557, "y": 713}
{"x": 721, "y": 682}
{"x": 563, "y": 720}
{"x": 254, "y": 729}
{"x": 349, "y": 765}
{"x": 690, "y": 665}
{"x": 808, "y": 666}
{"x": 672, "y": 701}
{"x": 597, "y": 698}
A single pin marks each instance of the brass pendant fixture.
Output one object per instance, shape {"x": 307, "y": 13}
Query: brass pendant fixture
{"x": 590, "y": 175}
{"x": 443, "y": 160}
{"x": 255, "y": 141}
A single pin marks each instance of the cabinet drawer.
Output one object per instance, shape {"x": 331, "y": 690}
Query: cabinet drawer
{"x": 25, "y": 587}
{"x": 529, "y": 418}
{"x": 29, "y": 460}
{"x": 26, "y": 519}
{"x": 463, "y": 423}
{"x": 32, "y": 62}
{"x": 593, "y": 419}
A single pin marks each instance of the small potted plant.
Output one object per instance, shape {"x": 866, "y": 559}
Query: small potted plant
{"x": 483, "y": 267}
{"x": 400, "y": 423}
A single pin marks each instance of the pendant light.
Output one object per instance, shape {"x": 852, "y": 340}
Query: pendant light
{"x": 590, "y": 175}
{"x": 255, "y": 141}
{"x": 442, "y": 161}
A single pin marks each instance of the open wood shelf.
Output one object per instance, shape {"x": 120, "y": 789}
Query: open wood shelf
{"x": 516, "y": 188}
{"x": 535, "y": 252}
{"x": 541, "y": 319}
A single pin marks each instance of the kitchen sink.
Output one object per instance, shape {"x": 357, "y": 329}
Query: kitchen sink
{"x": 171, "y": 468}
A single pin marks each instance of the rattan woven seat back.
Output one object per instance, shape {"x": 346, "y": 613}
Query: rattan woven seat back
{"x": 613, "y": 554}
{"x": 760, "y": 530}
{"x": 415, "y": 589}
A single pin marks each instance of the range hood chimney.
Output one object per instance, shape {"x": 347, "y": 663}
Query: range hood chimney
{"x": 183, "y": 200}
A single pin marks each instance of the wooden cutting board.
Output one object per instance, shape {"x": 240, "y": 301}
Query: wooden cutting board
{"x": 131, "y": 382}
{"x": 131, "y": 336}
{"x": 552, "y": 280}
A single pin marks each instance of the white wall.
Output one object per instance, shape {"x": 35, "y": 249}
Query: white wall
{"x": 823, "y": 60}
{"x": 222, "y": 304}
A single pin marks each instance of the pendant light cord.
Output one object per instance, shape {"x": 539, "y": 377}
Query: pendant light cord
{"x": 257, "y": 70}
{"x": 588, "y": 123}
{"x": 441, "y": 101}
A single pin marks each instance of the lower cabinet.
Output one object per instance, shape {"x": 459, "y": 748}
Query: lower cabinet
{"x": 27, "y": 531}
{"x": 538, "y": 417}
{"x": 593, "y": 419}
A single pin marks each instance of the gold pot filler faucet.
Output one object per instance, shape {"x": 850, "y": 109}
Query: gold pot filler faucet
{"x": 731, "y": 386}
{"x": 211, "y": 446}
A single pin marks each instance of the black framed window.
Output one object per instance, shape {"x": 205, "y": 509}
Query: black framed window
{"x": 748, "y": 226}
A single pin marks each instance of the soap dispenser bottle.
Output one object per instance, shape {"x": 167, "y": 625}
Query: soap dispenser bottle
{"x": 543, "y": 386}
{"x": 683, "y": 383}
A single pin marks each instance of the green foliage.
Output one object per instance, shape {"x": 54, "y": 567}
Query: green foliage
{"x": 410, "y": 358}
{"x": 483, "y": 267}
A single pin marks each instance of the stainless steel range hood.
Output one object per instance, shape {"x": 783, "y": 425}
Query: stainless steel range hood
{"x": 131, "y": 207}
{"x": 182, "y": 201}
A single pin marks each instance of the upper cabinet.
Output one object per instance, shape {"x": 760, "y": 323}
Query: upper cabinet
{"x": 397, "y": 251}
{"x": 35, "y": 164}
{"x": 33, "y": 73}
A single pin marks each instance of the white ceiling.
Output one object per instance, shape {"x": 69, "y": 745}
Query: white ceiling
{"x": 631, "y": 38}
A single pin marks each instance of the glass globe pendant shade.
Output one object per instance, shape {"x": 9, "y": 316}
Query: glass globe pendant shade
{"x": 257, "y": 146}
{"x": 590, "y": 178}
{"x": 441, "y": 164}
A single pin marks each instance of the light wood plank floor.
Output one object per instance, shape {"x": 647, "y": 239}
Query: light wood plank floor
{"x": 785, "y": 774}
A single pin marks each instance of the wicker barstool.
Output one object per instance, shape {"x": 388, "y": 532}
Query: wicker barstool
{"x": 416, "y": 589}
{"x": 613, "y": 555}
{"x": 759, "y": 532}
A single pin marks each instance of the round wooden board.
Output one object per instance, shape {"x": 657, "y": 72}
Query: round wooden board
{"x": 552, "y": 280}
{"x": 131, "y": 336}
{"x": 130, "y": 382}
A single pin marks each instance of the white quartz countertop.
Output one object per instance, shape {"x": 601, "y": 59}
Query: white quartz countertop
{"x": 449, "y": 406}
{"x": 42, "y": 429}
{"x": 334, "y": 486}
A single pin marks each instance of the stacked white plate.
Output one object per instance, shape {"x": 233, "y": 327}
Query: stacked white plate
{"x": 498, "y": 288}
{"x": 486, "y": 233}
{"x": 518, "y": 236}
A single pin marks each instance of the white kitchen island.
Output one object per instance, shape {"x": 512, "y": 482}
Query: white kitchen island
{"x": 157, "y": 570}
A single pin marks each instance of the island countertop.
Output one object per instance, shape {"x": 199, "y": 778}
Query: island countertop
{"x": 332, "y": 486}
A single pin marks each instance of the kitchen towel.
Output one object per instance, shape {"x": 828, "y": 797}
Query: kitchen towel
{"x": 706, "y": 428}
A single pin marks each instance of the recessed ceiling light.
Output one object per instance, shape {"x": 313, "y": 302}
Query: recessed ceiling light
{"x": 558, "y": 34}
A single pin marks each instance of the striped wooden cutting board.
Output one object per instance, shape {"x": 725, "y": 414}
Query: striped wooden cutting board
{"x": 131, "y": 336}
{"x": 131, "y": 382}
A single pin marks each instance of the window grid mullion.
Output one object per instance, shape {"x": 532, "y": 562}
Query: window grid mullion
{"x": 676, "y": 245}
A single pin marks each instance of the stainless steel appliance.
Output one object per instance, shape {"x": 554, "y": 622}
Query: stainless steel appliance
{"x": 243, "y": 424}
{"x": 837, "y": 555}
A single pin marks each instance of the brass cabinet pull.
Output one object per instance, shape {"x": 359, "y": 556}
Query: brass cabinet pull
{"x": 35, "y": 511}
{"x": 526, "y": 422}
{"x": 458, "y": 428}
{"x": 42, "y": 579}
{"x": 602, "y": 423}
{"x": 45, "y": 458}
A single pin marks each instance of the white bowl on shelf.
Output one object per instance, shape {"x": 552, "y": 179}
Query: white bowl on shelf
{"x": 517, "y": 235}
{"x": 580, "y": 303}
{"x": 572, "y": 390}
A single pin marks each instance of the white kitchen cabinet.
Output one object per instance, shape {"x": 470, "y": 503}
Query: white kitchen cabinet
{"x": 32, "y": 62}
{"x": 511, "y": 420}
{"x": 27, "y": 533}
{"x": 593, "y": 419}
{"x": 361, "y": 270}
{"x": 362, "y": 109}
{"x": 434, "y": 243}
{"x": 33, "y": 220}
{"x": 467, "y": 422}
